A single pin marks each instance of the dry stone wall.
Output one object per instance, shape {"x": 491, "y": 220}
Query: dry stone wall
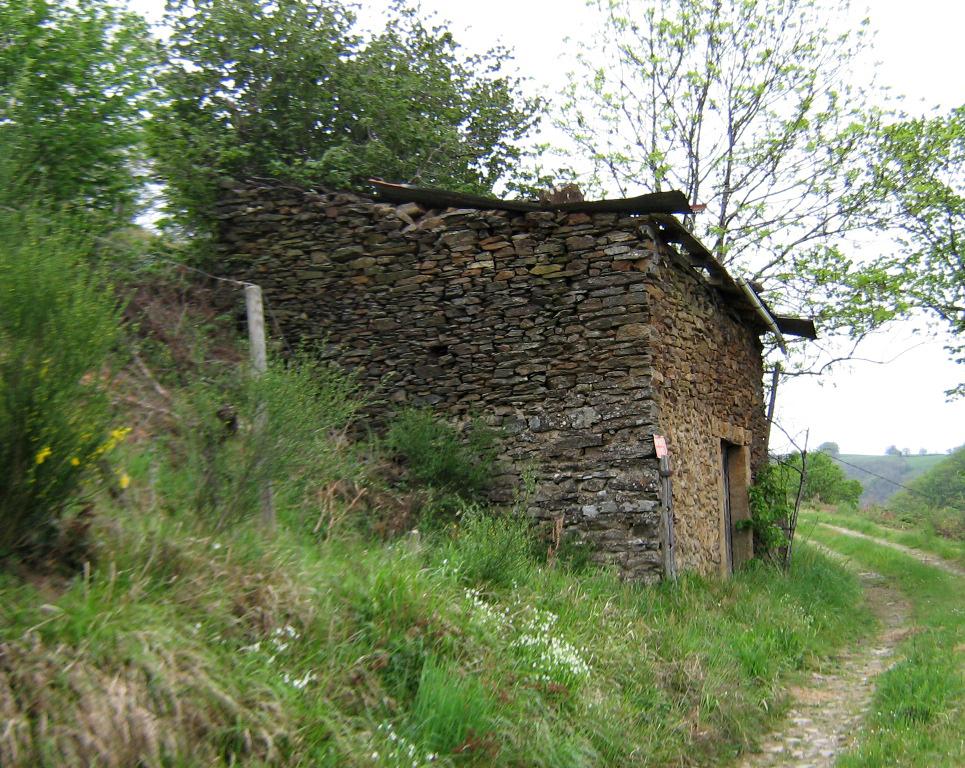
{"x": 541, "y": 322}
{"x": 708, "y": 386}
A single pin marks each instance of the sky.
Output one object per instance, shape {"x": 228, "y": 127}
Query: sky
{"x": 863, "y": 406}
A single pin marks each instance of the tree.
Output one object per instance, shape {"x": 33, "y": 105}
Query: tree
{"x": 936, "y": 497}
{"x": 919, "y": 179}
{"x": 288, "y": 89}
{"x": 744, "y": 107}
{"x": 829, "y": 448}
{"x": 825, "y": 481}
{"x": 74, "y": 79}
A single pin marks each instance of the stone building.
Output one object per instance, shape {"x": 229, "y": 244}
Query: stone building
{"x": 582, "y": 330}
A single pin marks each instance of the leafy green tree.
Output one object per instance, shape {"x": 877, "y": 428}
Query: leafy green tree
{"x": 824, "y": 482}
{"x": 745, "y": 107}
{"x": 830, "y": 448}
{"x": 944, "y": 484}
{"x": 919, "y": 179}
{"x": 827, "y": 482}
{"x": 74, "y": 79}
{"x": 289, "y": 89}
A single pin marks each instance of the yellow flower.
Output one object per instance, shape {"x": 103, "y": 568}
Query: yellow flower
{"x": 43, "y": 454}
{"x": 124, "y": 480}
{"x": 120, "y": 433}
{"x": 75, "y": 462}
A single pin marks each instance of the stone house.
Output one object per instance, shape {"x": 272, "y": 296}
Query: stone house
{"x": 591, "y": 333}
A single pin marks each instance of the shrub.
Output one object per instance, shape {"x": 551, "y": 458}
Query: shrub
{"x": 437, "y": 455}
{"x": 240, "y": 435}
{"x": 58, "y": 322}
{"x": 825, "y": 482}
{"x": 770, "y": 507}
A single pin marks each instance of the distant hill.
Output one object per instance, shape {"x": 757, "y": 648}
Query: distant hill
{"x": 897, "y": 469}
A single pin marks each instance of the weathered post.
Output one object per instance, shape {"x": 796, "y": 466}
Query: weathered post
{"x": 259, "y": 365}
{"x": 666, "y": 508}
{"x": 772, "y": 399}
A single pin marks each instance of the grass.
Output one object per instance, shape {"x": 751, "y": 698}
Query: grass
{"x": 918, "y": 712}
{"x": 193, "y": 637}
{"x": 918, "y": 538}
{"x": 186, "y": 646}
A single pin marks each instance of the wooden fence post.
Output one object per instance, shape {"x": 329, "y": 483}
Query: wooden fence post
{"x": 259, "y": 365}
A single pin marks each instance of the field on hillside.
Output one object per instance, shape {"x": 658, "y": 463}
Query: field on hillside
{"x": 898, "y": 469}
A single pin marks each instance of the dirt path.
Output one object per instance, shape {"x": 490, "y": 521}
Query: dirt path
{"x": 924, "y": 557}
{"x": 829, "y": 707}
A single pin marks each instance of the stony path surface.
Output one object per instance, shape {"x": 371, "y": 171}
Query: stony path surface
{"x": 925, "y": 557}
{"x": 829, "y": 706}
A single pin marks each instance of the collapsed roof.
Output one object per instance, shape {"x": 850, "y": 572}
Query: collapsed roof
{"x": 659, "y": 207}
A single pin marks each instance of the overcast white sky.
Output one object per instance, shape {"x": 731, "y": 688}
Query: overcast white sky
{"x": 918, "y": 52}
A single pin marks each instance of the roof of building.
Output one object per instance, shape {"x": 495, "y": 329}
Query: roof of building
{"x": 659, "y": 207}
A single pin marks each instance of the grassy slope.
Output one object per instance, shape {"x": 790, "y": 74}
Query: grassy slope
{"x": 918, "y": 715}
{"x": 192, "y": 642}
{"x": 918, "y": 538}
{"x": 186, "y": 647}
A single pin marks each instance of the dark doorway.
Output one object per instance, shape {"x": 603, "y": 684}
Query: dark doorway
{"x": 727, "y": 454}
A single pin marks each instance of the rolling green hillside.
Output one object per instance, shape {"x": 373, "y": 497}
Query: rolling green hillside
{"x": 878, "y": 474}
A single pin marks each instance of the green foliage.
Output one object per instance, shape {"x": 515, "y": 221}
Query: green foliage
{"x": 919, "y": 179}
{"x": 58, "y": 322}
{"x": 438, "y": 456}
{"x": 493, "y": 549}
{"x": 240, "y": 436}
{"x": 830, "y": 448}
{"x": 744, "y": 106}
{"x": 775, "y": 490}
{"x": 290, "y": 89}
{"x": 771, "y": 506}
{"x": 825, "y": 483}
{"x": 882, "y": 476}
{"x": 238, "y": 648}
{"x": 74, "y": 80}
{"x": 936, "y": 498}
{"x": 449, "y": 708}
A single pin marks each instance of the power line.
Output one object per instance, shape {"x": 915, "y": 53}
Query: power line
{"x": 882, "y": 477}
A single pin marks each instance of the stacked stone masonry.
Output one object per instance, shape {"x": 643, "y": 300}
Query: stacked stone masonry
{"x": 580, "y": 336}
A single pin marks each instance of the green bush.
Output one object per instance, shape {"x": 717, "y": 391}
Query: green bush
{"x": 825, "y": 481}
{"x": 437, "y": 455}
{"x": 770, "y": 507}
{"x": 58, "y": 322}
{"x": 240, "y": 434}
{"x": 935, "y": 499}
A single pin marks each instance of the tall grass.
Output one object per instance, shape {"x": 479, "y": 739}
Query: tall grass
{"x": 191, "y": 645}
{"x": 224, "y": 453}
